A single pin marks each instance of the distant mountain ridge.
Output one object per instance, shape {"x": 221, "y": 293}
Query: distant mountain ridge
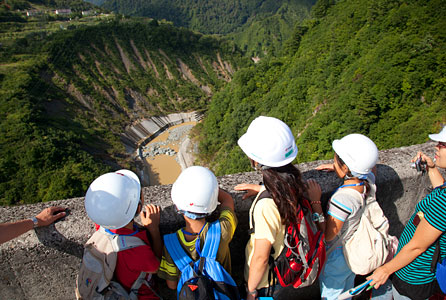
{"x": 256, "y": 25}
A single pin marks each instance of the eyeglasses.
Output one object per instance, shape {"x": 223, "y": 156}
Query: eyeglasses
{"x": 441, "y": 145}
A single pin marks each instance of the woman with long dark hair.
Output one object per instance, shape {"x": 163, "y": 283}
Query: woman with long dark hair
{"x": 271, "y": 148}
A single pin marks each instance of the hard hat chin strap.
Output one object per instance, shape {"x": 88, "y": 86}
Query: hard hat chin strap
{"x": 191, "y": 215}
{"x": 356, "y": 175}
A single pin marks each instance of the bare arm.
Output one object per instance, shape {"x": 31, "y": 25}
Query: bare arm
{"x": 259, "y": 264}
{"x": 225, "y": 199}
{"x": 314, "y": 193}
{"x": 424, "y": 236}
{"x": 251, "y": 189}
{"x": 332, "y": 228}
{"x": 432, "y": 170}
{"x": 325, "y": 167}
{"x": 8, "y": 231}
{"x": 172, "y": 284}
{"x": 150, "y": 218}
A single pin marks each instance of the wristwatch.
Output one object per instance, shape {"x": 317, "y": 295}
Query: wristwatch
{"x": 318, "y": 217}
{"x": 35, "y": 222}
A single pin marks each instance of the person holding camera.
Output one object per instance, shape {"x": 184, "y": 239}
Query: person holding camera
{"x": 414, "y": 265}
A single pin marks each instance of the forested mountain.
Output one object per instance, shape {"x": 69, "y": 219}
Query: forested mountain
{"x": 258, "y": 26}
{"x": 68, "y": 88}
{"x": 66, "y": 96}
{"x": 373, "y": 67}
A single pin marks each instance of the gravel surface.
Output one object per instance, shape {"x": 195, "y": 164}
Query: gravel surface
{"x": 176, "y": 136}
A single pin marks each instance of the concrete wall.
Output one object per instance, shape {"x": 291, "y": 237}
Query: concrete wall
{"x": 43, "y": 263}
{"x": 138, "y": 135}
{"x": 147, "y": 129}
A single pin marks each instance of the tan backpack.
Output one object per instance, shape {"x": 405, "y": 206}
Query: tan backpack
{"x": 94, "y": 280}
{"x": 371, "y": 244}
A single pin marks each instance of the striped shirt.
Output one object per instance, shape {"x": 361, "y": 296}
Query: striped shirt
{"x": 434, "y": 210}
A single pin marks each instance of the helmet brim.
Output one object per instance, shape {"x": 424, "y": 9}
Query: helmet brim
{"x": 439, "y": 137}
{"x": 245, "y": 144}
{"x": 338, "y": 148}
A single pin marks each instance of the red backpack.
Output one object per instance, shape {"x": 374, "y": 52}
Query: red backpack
{"x": 303, "y": 256}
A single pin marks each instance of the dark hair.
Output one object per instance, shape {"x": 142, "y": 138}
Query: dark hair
{"x": 349, "y": 174}
{"x": 287, "y": 189}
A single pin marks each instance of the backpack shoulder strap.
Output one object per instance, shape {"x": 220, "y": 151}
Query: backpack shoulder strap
{"x": 176, "y": 251}
{"x": 262, "y": 195}
{"x": 212, "y": 241}
{"x": 122, "y": 242}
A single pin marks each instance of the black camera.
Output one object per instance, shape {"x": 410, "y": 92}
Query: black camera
{"x": 419, "y": 165}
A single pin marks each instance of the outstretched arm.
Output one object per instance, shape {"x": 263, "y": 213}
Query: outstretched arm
{"x": 424, "y": 236}
{"x": 325, "y": 167}
{"x": 8, "y": 231}
{"x": 251, "y": 189}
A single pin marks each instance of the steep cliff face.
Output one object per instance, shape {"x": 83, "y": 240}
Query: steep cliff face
{"x": 131, "y": 71}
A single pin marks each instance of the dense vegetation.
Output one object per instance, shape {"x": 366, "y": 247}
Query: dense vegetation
{"x": 68, "y": 89}
{"x": 66, "y": 96}
{"x": 373, "y": 67}
{"x": 257, "y": 26}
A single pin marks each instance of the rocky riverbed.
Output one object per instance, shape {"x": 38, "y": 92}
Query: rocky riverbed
{"x": 176, "y": 136}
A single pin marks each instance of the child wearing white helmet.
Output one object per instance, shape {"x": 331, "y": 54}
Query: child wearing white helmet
{"x": 354, "y": 161}
{"x": 270, "y": 146}
{"x": 423, "y": 236}
{"x": 196, "y": 195}
{"x": 111, "y": 202}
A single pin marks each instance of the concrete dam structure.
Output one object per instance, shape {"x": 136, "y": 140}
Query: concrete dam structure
{"x": 144, "y": 131}
{"x": 140, "y": 134}
{"x": 43, "y": 263}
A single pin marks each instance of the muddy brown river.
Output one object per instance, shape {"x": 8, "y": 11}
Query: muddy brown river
{"x": 164, "y": 169}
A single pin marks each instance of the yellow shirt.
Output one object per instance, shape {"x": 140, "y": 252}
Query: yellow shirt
{"x": 268, "y": 225}
{"x": 228, "y": 221}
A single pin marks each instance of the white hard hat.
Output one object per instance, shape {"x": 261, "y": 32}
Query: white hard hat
{"x": 439, "y": 137}
{"x": 112, "y": 199}
{"x": 269, "y": 141}
{"x": 358, "y": 152}
{"x": 195, "y": 190}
